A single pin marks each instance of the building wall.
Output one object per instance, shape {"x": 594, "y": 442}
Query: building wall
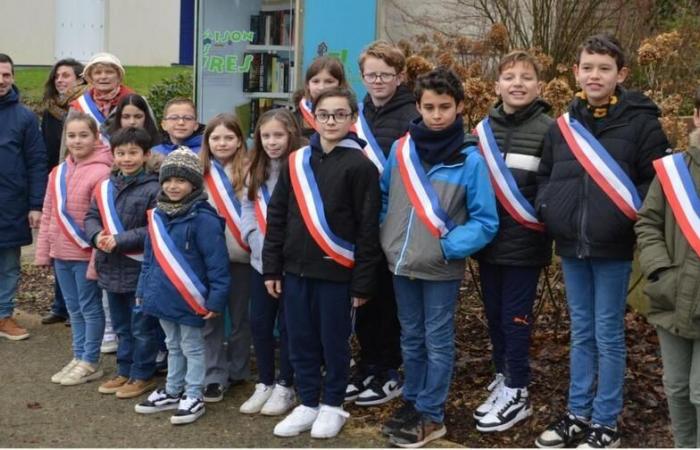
{"x": 25, "y": 34}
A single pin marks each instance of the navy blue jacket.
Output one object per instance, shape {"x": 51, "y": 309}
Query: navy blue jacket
{"x": 199, "y": 236}
{"x": 23, "y": 170}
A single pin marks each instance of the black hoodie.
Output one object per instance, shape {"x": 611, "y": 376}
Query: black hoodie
{"x": 390, "y": 121}
{"x": 581, "y": 218}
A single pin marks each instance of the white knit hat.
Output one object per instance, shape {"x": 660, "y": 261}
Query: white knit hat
{"x": 104, "y": 58}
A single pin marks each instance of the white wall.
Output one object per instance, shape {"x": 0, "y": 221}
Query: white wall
{"x": 26, "y": 33}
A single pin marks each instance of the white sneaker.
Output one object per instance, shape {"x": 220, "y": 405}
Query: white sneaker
{"x": 301, "y": 419}
{"x": 495, "y": 390}
{"x": 512, "y": 406}
{"x": 329, "y": 422}
{"x": 281, "y": 401}
{"x": 58, "y": 376}
{"x": 256, "y": 401}
{"x": 109, "y": 343}
{"x": 81, "y": 373}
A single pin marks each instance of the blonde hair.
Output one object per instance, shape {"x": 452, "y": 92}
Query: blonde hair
{"x": 390, "y": 54}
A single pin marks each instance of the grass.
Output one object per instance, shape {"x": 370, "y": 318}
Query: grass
{"x": 30, "y": 80}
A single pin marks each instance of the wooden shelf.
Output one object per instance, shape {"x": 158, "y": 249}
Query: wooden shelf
{"x": 273, "y": 95}
{"x": 269, "y": 48}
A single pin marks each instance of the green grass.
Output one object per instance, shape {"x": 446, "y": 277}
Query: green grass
{"x": 30, "y": 80}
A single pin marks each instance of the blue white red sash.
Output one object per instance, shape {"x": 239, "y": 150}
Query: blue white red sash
{"x": 88, "y": 106}
{"x": 306, "y": 113}
{"x": 680, "y": 192}
{"x": 372, "y": 150}
{"x": 261, "y": 202}
{"x": 104, "y": 197}
{"x": 598, "y": 163}
{"x": 503, "y": 182}
{"x": 224, "y": 197}
{"x": 419, "y": 189}
{"x": 311, "y": 205}
{"x": 66, "y": 222}
{"x": 175, "y": 266}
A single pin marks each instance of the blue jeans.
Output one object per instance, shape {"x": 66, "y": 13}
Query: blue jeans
{"x": 426, "y": 312}
{"x": 186, "y": 367}
{"x": 84, "y": 301}
{"x": 9, "y": 277}
{"x": 138, "y": 343}
{"x": 596, "y": 291}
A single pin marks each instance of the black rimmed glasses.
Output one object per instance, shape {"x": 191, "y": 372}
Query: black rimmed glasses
{"x": 384, "y": 77}
{"x": 338, "y": 116}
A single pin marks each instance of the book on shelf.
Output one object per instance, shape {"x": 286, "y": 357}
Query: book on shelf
{"x": 273, "y": 27}
{"x": 268, "y": 73}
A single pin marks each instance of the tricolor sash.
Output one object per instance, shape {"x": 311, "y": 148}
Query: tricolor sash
{"x": 104, "y": 197}
{"x": 503, "y": 182}
{"x": 88, "y": 106}
{"x": 598, "y": 163}
{"x": 224, "y": 197}
{"x": 680, "y": 192}
{"x": 372, "y": 150}
{"x": 419, "y": 189}
{"x": 65, "y": 221}
{"x": 261, "y": 203}
{"x": 306, "y": 113}
{"x": 311, "y": 206}
{"x": 175, "y": 266}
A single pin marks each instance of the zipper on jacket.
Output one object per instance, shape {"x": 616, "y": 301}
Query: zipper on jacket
{"x": 582, "y": 250}
{"x": 405, "y": 242}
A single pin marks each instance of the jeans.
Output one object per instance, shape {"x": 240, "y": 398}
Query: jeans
{"x": 9, "y": 277}
{"x": 138, "y": 344}
{"x": 265, "y": 311}
{"x": 596, "y": 291}
{"x": 84, "y": 301}
{"x": 58, "y": 307}
{"x": 509, "y": 293}
{"x": 426, "y": 312}
{"x": 186, "y": 367}
{"x": 681, "y": 359}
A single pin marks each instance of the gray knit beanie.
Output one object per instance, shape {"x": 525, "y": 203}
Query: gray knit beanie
{"x": 182, "y": 163}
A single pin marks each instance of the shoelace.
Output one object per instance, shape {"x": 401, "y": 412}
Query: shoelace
{"x": 563, "y": 426}
{"x": 187, "y": 403}
{"x": 598, "y": 437}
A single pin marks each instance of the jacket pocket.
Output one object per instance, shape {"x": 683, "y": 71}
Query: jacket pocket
{"x": 662, "y": 291}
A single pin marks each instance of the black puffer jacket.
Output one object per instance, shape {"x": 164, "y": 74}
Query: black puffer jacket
{"x": 390, "y": 121}
{"x": 581, "y": 218}
{"x": 519, "y": 137}
{"x": 117, "y": 272}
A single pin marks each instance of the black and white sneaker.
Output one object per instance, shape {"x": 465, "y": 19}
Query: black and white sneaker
{"x": 189, "y": 410}
{"x": 359, "y": 381}
{"x": 158, "y": 401}
{"x": 494, "y": 389}
{"x": 214, "y": 392}
{"x": 381, "y": 390}
{"x": 600, "y": 436}
{"x": 563, "y": 433}
{"x": 511, "y": 406}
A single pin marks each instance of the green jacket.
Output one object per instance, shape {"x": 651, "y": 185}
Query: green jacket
{"x": 669, "y": 263}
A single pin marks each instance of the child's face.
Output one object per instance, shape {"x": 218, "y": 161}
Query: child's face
{"x": 132, "y": 116}
{"x": 334, "y": 118}
{"x": 274, "y": 138}
{"x": 80, "y": 140}
{"x": 597, "y": 74}
{"x": 518, "y": 86}
{"x": 180, "y": 122}
{"x": 438, "y": 111}
{"x": 130, "y": 158}
{"x": 386, "y": 80}
{"x": 223, "y": 143}
{"x": 321, "y": 81}
{"x": 104, "y": 77}
{"x": 176, "y": 188}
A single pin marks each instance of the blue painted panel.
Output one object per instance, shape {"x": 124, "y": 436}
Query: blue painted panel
{"x": 186, "y": 56}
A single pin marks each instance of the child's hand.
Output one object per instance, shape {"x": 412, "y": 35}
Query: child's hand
{"x": 109, "y": 243}
{"x": 357, "y": 301}
{"x": 274, "y": 288}
{"x": 210, "y": 315}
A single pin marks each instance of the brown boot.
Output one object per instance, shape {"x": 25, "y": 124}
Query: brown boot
{"x": 111, "y": 386}
{"x": 10, "y": 330}
{"x": 134, "y": 388}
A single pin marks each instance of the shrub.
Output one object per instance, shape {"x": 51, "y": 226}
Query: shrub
{"x": 180, "y": 85}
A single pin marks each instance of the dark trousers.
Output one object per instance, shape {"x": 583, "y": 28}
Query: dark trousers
{"x": 377, "y": 327}
{"x": 509, "y": 293}
{"x": 265, "y": 311}
{"x": 58, "y": 307}
{"x": 318, "y": 323}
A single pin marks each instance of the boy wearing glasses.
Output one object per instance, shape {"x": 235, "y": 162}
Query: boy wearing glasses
{"x": 383, "y": 117}
{"x": 180, "y": 124}
{"x": 320, "y": 255}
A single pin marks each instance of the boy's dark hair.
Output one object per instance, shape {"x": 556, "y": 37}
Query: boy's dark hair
{"x": 441, "y": 80}
{"x": 136, "y": 136}
{"x": 337, "y": 92}
{"x": 4, "y": 58}
{"x": 603, "y": 44}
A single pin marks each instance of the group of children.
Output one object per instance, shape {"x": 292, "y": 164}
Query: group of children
{"x": 367, "y": 228}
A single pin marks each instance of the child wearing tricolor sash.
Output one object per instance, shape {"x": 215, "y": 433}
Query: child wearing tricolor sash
{"x": 668, "y": 230}
{"x": 184, "y": 282}
{"x": 276, "y": 135}
{"x": 595, "y": 170}
{"x": 438, "y": 208}
{"x": 116, "y": 227}
{"x": 225, "y": 163}
{"x": 62, "y": 240}
{"x": 320, "y": 254}
{"x": 510, "y": 139}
